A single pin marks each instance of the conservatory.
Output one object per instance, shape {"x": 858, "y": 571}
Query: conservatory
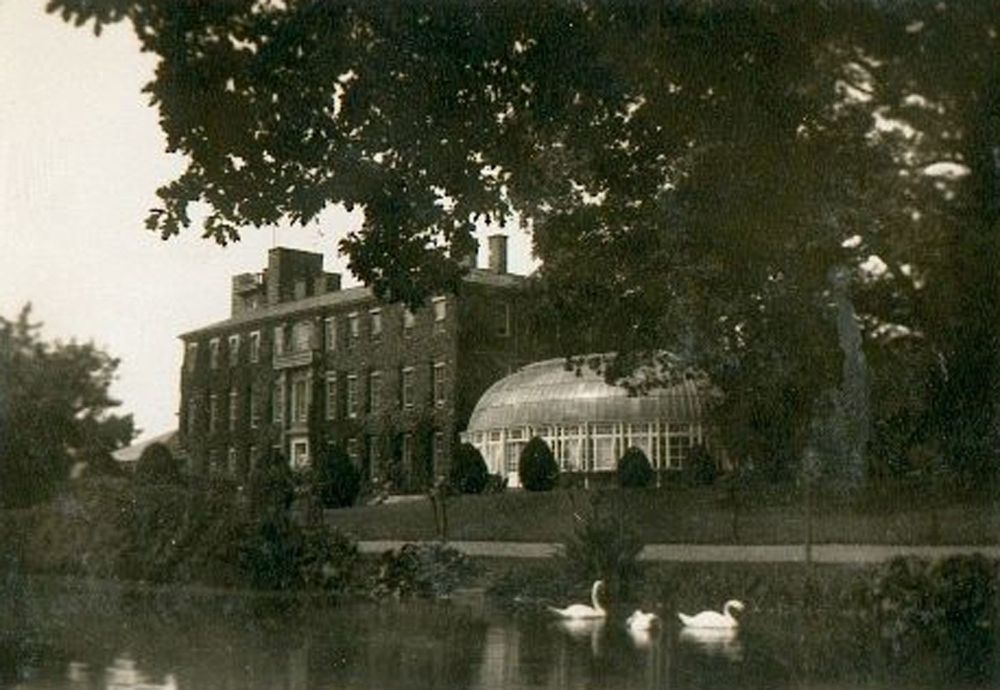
{"x": 587, "y": 422}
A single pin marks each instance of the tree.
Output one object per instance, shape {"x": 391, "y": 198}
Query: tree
{"x": 337, "y": 480}
{"x": 692, "y": 172}
{"x": 469, "y": 473}
{"x": 634, "y": 470}
{"x": 54, "y": 409}
{"x": 537, "y": 468}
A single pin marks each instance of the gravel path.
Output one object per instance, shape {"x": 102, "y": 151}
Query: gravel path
{"x": 762, "y": 553}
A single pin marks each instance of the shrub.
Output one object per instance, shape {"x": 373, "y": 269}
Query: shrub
{"x": 537, "y": 469}
{"x": 157, "y": 465}
{"x": 495, "y": 484}
{"x": 634, "y": 470}
{"x": 425, "y": 570}
{"x": 701, "y": 466}
{"x": 605, "y": 546}
{"x": 468, "y": 470}
{"x": 947, "y": 606}
{"x": 337, "y": 480}
{"x": 272, "y": 486}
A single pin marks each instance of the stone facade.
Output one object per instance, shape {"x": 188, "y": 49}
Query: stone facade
{"x": 302, "y": 364}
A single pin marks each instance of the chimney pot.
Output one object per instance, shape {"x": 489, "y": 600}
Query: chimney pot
{"x": 498, "y": 253}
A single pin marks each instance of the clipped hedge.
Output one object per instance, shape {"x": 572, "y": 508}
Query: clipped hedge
{"x": 469, "y": 473}
{"x": 537, "y": 469}
{"x": 337, "y": 480}
{"x": 634, "y": 470}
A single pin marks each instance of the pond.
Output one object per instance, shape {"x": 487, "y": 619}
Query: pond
{"x": 55, "y": 634}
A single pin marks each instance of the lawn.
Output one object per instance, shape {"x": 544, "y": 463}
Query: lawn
{"x": 681, "y": 514}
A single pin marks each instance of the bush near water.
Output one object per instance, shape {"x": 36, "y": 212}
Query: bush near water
{"x": 209, "y": 534}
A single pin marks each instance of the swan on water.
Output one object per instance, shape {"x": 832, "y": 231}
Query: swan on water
{"x": 579, "y": 611}
{"x": 714, "y": 619}
{"x": 640, "y": 620}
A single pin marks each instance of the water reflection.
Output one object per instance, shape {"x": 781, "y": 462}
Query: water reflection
{"x": 118, "y": 641}
{"x": 123, "y": 674}
{"x": 642, "y": 639}
{"x": 720, "y": 642}
{"x": 587, "y": 630}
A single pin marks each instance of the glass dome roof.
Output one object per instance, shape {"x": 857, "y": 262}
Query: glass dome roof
{"x": 547, "y": 393}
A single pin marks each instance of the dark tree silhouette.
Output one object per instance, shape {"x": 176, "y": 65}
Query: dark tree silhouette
{"x": 691, "y": 171}
{"x": 54, "y": 409}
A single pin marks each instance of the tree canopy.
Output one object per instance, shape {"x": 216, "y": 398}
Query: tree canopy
{"x": 54, "y": 409}
{"x": 693, "y": 174}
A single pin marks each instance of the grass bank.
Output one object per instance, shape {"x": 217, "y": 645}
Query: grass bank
{"x": 888, "y": 514}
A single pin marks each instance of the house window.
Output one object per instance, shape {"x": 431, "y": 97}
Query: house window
{"x": 251, "y": 459}
{"x": 352, "y": 450}
{"x": 353, "y": 328}
{"x": 214, "y": 466}
{"x": 231, "y": 463}
{"x": 191, "y": 356}
{"x": 376, "y": 324}
{"x": 192, "y": 418}
{"x": 213, "y": 353}
{"x": 279, "y": 340}
{"x": 438, "y": 449}
{"x": 255, "y": 347}
{"x": 234, "y": 350}
{"x": 407, "y": 387}
{"x": 330, "y": 331}
{"x": 503, "y": 320}
{"x": 331, "y": 396}
{"x": 232, "y": 410}
{"x": 352, "y": 395}
{"x": 407, "y": 451}
{"x": 438, "y": 384}
{"x": 409, "y": 320}
{"x": 254, "y": 408}
{"x": 374, "y": 391}
{"x": 440, "y": 306}
{"x": 371, "y": 448}
{"x": 300, "y": 454}
{"x": 213, "y": 412}
{"x": 278, "y": 402}
{"x": 302, "y": 336}
{"x": 300, "y": 401}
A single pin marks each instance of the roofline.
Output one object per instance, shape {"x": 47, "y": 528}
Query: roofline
{"x": 351, "y": 295}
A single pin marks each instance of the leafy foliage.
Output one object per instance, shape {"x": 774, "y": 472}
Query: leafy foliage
{"x": 948, "y": 605}
{"x": 537, "y": 468}
{"x": 337, "y": 480}
{"x": 469, "y": 473}
{"x": 634, "y": 470}
{"x": 157, "y": 465}
{"x": 54, "y": 409}
{"x": 701, "y": 466}
{"x": 271, "y": 487}
{"x": 606, "y": 546}
{"x": 423, "y": 570}
{"x": 692, "y": 172}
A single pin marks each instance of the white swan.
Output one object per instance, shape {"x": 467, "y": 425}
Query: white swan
{"x": 714, "y": 619}
{"x": 640, "y": 620}
{"x": 581, "y": 611}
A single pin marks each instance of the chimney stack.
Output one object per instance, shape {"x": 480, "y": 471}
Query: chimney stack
{"x": 498, "y": 253}
{"x": 466, "y": 256}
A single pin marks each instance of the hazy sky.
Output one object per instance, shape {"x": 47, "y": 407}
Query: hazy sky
{"x": 81, "y": 155}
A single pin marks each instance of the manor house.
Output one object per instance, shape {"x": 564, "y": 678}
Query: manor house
{"x": 301, "y": 364}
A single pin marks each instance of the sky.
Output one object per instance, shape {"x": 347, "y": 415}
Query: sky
{"x": 81, "y": 157}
